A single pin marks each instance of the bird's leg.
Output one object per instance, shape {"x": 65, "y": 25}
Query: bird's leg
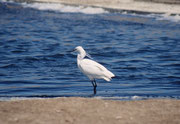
{"x": 95, "y": 85}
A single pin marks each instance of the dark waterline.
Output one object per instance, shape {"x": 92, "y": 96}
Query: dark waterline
{"x": 143, "y": 53}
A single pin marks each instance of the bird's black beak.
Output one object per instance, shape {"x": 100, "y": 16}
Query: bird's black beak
{"x": 72, "y": 50}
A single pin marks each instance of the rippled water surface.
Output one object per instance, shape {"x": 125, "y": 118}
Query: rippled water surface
{"x": 143, "y": 51}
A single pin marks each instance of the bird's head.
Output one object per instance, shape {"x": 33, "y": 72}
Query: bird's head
{"x": 82, "y": 53}
{"x": 79, "y": 49}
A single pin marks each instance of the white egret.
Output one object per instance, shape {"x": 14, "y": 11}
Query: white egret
{"x": 92, "y": 69}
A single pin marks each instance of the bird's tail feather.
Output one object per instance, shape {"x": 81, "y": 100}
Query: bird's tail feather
{"x": 108, "y": 76}
{"x": 107, "y": 79}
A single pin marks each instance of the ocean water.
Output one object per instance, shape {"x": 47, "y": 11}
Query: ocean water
{"x": 141, "y": 49}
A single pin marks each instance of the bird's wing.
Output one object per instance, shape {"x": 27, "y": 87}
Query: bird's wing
{"x": 91, "y": 63}
{"x": 93, "y": 68}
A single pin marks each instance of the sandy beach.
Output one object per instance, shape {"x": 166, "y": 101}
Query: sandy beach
{"x": 90, "y": 111}
{"x": 154, "y": 6}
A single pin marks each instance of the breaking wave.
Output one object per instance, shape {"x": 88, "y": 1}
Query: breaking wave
{"x": 58, "y": 7}
{"x": 65, "y": 8}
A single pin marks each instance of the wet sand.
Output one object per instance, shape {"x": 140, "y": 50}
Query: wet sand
{"x": 89, "y": 111}
{"x": 154, "y": 6}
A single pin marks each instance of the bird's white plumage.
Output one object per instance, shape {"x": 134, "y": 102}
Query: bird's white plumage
{"x": 90, "y": 68}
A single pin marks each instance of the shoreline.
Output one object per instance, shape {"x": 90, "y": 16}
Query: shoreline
{"x": 149, "y": 6}
{"x": 89, "y": 110}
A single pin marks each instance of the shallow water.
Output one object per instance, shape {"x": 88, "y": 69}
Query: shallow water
{"x": 142, "y": 50}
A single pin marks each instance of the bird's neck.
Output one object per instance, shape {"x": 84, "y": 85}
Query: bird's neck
{"x": 81, "y": 55}
{"x": 78, "y": 59}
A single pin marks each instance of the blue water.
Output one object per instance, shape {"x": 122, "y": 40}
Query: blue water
{"x": 142, "y": 50}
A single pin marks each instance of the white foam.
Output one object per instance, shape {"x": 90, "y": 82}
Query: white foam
{"x": 136, "y": 97}
{"x": 166, "y": 16}
{"x": 169, "y": 17}
{"x": 122, "y": 97}
{"x": 7, "y": 1}
{"x": 18, "y": 98}
{"x": 65, "y": 8}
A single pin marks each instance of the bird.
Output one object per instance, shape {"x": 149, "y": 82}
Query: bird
{"x": 92, "y": 69}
